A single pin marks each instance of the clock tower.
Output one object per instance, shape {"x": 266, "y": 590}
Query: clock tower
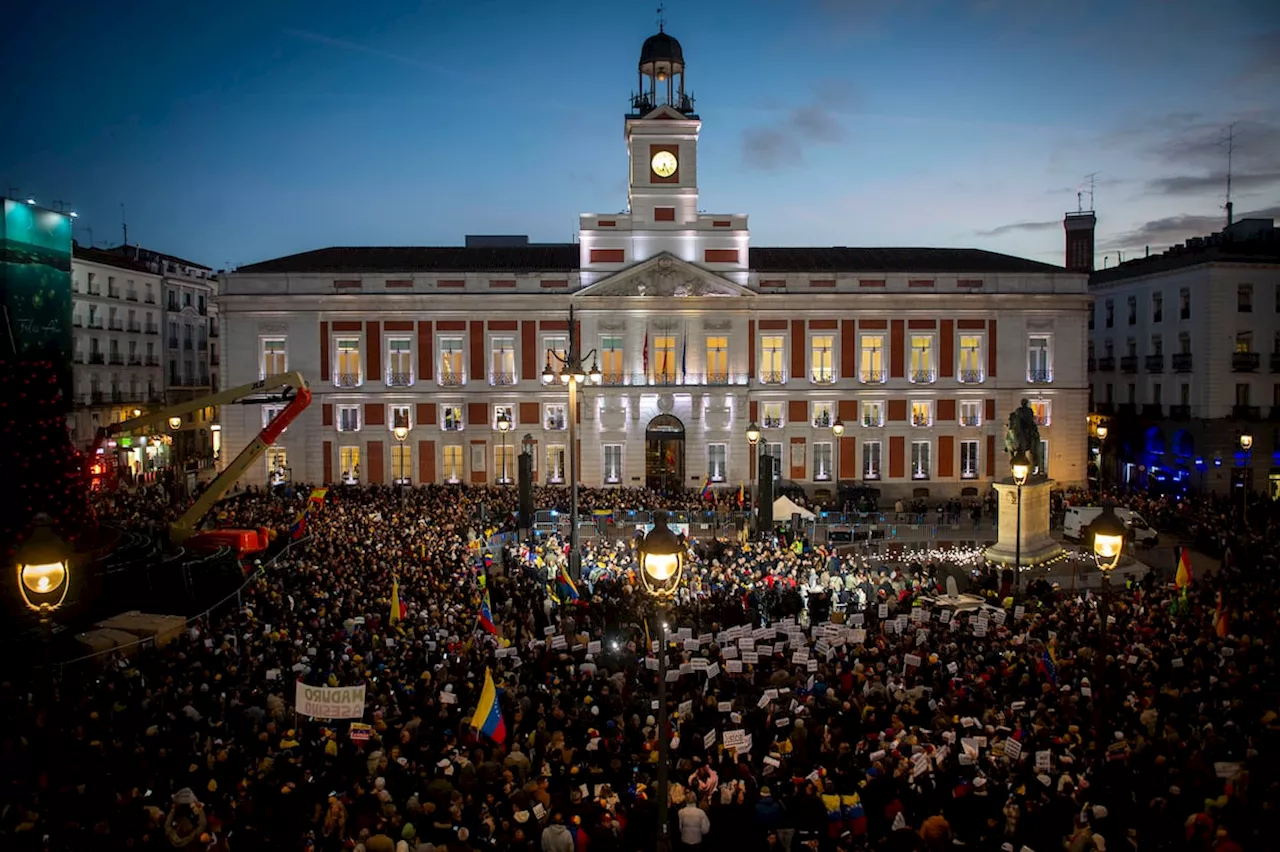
{"x": 661, "y": 131}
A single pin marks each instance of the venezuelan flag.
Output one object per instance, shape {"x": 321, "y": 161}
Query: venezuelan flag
{"x": 488, "y": 717}
{"x": 706, "y": 489}
{"x": 567, "y": 588}
{"x": 299, "y": 525}
{"x": 1183, "y": 578}
{"x": 486, "y": 615}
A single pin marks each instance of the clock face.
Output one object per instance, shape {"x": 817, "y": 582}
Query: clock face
{"x": 664, "y": 164}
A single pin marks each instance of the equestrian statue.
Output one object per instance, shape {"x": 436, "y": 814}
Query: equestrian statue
{"x": 1023, "y": 436}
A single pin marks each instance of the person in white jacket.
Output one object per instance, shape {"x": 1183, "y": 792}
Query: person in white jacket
{"x": 694, "y": 825}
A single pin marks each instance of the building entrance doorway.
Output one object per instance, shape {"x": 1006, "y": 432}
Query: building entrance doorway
{"x": 664, "y": 453}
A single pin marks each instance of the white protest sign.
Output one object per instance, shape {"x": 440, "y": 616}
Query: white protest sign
{"x": 709, "y": 741}
{"x": 324, "y": 702}
{"x": 1044, "y": 761}
{"x": 733, "y": 739}
{"x": 1012, "y": 749}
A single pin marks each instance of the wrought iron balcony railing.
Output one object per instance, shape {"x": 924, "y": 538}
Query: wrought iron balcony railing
{"x": 1129, "y": 363}
{"x": 1107, "y": 364}
{"x": 1182, "y": 362}
{"x": 452, "y": 380}
{"x": 1155, "y": 363}
{"x": 1245, "y": 362}
{"x": 924, "y": 377}
{"x": 502, "y": 378}
{"x": 772, "y": 377}
{"x": 399, "y": 380}
{"x": 1039, "y": 376}
{"x": 346, "y": 380}
{"x": 871, "y": 377}
{"x": 970, "y": 377}
{"x": 970, "y": 420}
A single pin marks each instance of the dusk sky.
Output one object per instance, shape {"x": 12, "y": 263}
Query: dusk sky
{"x": 238, "y": 131}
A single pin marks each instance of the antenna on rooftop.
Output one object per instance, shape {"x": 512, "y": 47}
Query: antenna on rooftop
{"x": 124, "y": 226}
{"x": 1230, "y": 142}
{"x": 1089, "y": 191}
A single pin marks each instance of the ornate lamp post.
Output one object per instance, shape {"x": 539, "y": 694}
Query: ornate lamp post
{"x": 1108, "y": 545}
{"x": 837, "y": 429}
{"x": 1102, "y": 453}
{"x": 661, "y": 556}
{"x": 1246, "y": 475}
{"x": 1020, "y": 467}
{"x": 504, "y": 426}
{"x": 572, "y": 373}
{"x": 753, "y": 438}
{"x": 401, "y": 433}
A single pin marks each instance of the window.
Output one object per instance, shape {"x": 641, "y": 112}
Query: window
{"x": 1184, "y": 394}
{"x": 968, "y": 459}
{"x": 401, "y": 463}
{"x": 871, "y": 460}
{"x": 269, "y": 413}
{"x": 1184, "y": 343}
{"x": 1132, "y": 302}
{"x": 1184, "y": 303}
{"x": 555, "y": 463}
{"x": 506, "y": 412}
{"x": 349, "y": 462}
{"x": 1131, "y": 347}
{"x": 1039, "y": 359}
{"x": 554, "y": 417}
{"x": 920, "y": 459}
{"x": 1043, "y": 411}
{"x": 716, "y": 454}
{"x": 923, "y": 368}
{"x": 399, "y": 362}
{"x": 504, "y": 462}
{"x": 277, "y": 465}
{"x": 274, "y": 359}
{"x": 1110, "y": 313}
{"x": 452, "y": 458}
{"x": 612, "y": 463}
{"x": 774, "y": 451}
{"x": 451, "y": 417}
{"x": 822, "y": 469}
{"x": 452, "y": 372}
{"x": 970, "y": 412}
{"x": 822, "y": 359}
{"x": 970, "y": 358}
{"x": 664, "y": 359}
{"x": 1157, "y": 344}
{"x": 1043, "y": 467}
{"x": 400, "y": 417}
{"x": 871, "y": 359}
{"x": 1133, "y": 394}
{"x": 347, "y": 369}
{"x": 1111, "y": 393}
{"x": 1244, "y": 341}
{"x": 558, "y": 346}
{"x": 922, "y": 412}
{"x": 1157, "y": 307}
{"x": 1156, "y": 394}
{"x": 348, "y": 418}
{"x": 773, "y": 415}
{"x": 822, "y": 415}
{"x": 1244, "y": 298}
{"x": 873, "y": 413}
{"x": 772, "y": 371}
{"x": 717, "y": 360}
{"x": 502, "y": 361}
{"x": 612, "y": 363}
{"x": 1242, "y": 393}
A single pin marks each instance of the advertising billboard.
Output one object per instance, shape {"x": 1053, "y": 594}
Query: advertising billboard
{"x": 35, "y": 287}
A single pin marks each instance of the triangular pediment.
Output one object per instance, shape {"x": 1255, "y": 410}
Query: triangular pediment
{"x": 666, "y": 113}
{"x": 666, "y": 276}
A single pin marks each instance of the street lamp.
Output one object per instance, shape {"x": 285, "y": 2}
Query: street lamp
{"x": 661, "y": 557}
{"x": 44, "y": 573}
{"x": 401, "y": 432}
{"x": 1102, "y": 453}
{"x": 1246, "y": 475}
{"x": 1102, "y": 431}
{"x": 837, "y": 429}
{"x": 1108, "y": 540}
{"x": 504, "y": 426}
{"x": 753, "y": 438}
{"x": 1020, "y": 467}
{"x": 175, "y": 422}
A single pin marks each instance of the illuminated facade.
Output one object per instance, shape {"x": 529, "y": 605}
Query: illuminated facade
{"x": 920, "y": 353}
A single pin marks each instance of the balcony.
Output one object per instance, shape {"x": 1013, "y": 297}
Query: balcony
{"x": 96, "y": 323}
{"x": 919, "y": 474}
{"x": 214, "y": 360}
{"x": 113, "y": 292}
{"x": 134, "y": 328}
{"x": 202, "y": 345}
{"x": 173, "y": 306}
{"x": 1245, "y": 362}
{"x": 554, "y": 424}
{"x": 871, "y": 475}
{"x": 149, "y": 299}
{"x": 969, "y": 473}
{"x": 213, "y": 330}
{"x": 346, "y": 380}
{"x": 664, "y": 379}
{"x": 1244, "y": 412}
{"x": 772, "y": 377}
{"x": 970, "y": 420}
{"x": 78, "y": 358}
{"x": 1179, "y": 412}
{"x": 502, "y": 378}
{"x": 773, "y": 423}
{"x": 1154, "y": 363}
{"x": 1042, "y": 421}
{"x": 453, "y": 425}
{"x": 822, "y": 378}
{"x": 97, "y": 358}
{"x": 115, "y": 325}
{"x": 1275, "y": 362}
{"x": 1107, "y": 364}
{"x": 970, "y": 377}
{"x": 115, "y": 358}
{"x": 95, "y": 290}
{"x": 173, "y": 343}
{"x": 76, "y": 322}
{"x": 1182, "y": 362}
{"x": 1129, "y": 363}
{"x": 153, "y": 361}
{"x": 452, "y": 380}
{"x": 613, "y": 379}
{"x": 394, "y": 380}
{"x": 135, "y": 360}
{"x": 1039, "y": 376}
{"x": 921, "y": 420}
{"x": 923, "y": 377}
{"x": 871, "y": 377}
{"x": 872, "y": 422}
{"x": 131, "y": 296}
{"x": 717, "y": 379}
{"x": 151, "y": 328}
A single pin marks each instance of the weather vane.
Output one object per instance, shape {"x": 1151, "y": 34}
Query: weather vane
{"x": 662, "y": 16}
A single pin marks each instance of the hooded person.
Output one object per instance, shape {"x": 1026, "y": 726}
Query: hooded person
{"x": 557, "y": 837}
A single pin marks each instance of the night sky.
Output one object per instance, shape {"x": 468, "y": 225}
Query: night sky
{"x": 238, "y": 131}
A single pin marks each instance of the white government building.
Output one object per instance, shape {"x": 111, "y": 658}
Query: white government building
{"x": 920, "y": 352}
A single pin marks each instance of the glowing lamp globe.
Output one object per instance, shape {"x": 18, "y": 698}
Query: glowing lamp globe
{"x": 1020, "y": 467}
{"x": 753, "y": 433}
{"x": 401, "y": 432}
{"x": 175, "y": 422}
{"x": 837, "y": 428}
{"x": 43, "y": 570}
{"x": 1108, "y": 539}
{"x": 1246, "y": 442}
{"x": 1102, "y": 432}
{"x": 661, "y": 556}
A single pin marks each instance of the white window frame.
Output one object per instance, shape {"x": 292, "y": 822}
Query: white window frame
{"x": 774, "y": 449}
{"x": 973, "y": 374}
{"x": 503, "y": 377}
{"x": 922, "y": 412}
{"x": 970, "y": 412}
{"x": 1044, "y": 457}
{"x": 779, "y": 375}
{"x": 450, "y": 377}
{"x": 350, "y": 473}
{"x": 662, "y": 371}
{"x": 1040, "y": 374}
{"x": 717, "y": 462}
{"x": 499, "y": 450}
{"x": 973, "y": 449}
{"x": 1044, "y": 412}
{"x": 778, "y": 421}
{"x": 817, "y": 375}
{"x": 509, "y": 408}
{"x": 611, "y": 469}
{"x": 823, "y": 461}
{"x": 452, "y": 470}
{"x": 921, "y": 471}
{"x": 394, "y": 410}
{"x": 271, "y": 412}
{"x": 555, "y": 464}
{"x": 820, "y": 411}
{"x": 558, "y": 344}
{"x": 872, "y": 461}
{"x": 928, "y": 374}
{"x": 263, "y": 372}
{"x": 614, "y": 373}
{"x": 401, "y": 462}
{"x": 339, "y": 419}
{"x": 460, "y": 420}
{"x": 549, "y": 419}
{"x": 868, "y": 374}
{"x": 277, "y": 458}
{"x": 717, "y": 358}
{"x": 390, "y": 374}
{"x": 357, "y": 378}
{"x": 869, "y": 407}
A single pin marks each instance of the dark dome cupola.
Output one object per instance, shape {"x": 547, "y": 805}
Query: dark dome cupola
{"x": 661, "y": 76}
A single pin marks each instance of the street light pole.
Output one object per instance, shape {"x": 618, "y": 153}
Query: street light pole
{"x": 837, "y": 429}
{"x": 753, "y": 438}
{"x": 1020, "y": 466}
{"x": 664, "y": 734}
{"x": 1246, "y": 475}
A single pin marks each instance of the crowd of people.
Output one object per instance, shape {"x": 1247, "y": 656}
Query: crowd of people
{"x": 815, "y": 700}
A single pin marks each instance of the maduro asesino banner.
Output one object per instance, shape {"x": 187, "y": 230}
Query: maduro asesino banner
{"x": 330, "y": 702}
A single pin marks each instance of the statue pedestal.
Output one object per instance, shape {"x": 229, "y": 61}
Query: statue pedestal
{"x": 1037, "y": 545}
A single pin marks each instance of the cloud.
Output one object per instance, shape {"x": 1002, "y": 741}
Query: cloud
{"x": 1261, "y": 58}
{"x": 355, "y": 47}
{"x": 1162, "y": 233}
{"x": 1018, "y": 226}
{"x": 1201, "y": 184}
{"x": 779, "y": 144}
{"x": 1194, "y": 150}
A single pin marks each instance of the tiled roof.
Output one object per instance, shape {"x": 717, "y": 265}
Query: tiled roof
{"x": 109, "y": 258}
{"x": 1243, "y": 251}
{"x": 564, "y": 257}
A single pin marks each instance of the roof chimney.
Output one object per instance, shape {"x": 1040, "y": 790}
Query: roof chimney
{"x": 1079, "y": 228}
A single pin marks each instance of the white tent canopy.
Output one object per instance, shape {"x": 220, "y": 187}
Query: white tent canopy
{"x": 784, "y": 508}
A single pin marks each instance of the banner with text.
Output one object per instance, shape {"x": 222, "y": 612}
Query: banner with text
{"x": 326, "y": 702}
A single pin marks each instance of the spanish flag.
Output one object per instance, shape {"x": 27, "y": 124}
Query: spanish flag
{"x": 1221, "y": 620}
{"x": 741, "y": 496}
{"x": 397, "y": 608}
{"x": 1183, "y": 578}
{"x": 318, "y": 495}
{"x": 488, "y": 716}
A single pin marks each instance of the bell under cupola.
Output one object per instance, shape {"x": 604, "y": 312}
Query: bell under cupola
{"x": 661, "y": 77}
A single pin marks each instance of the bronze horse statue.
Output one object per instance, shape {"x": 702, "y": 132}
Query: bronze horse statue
{"x": 1023, "y": 436}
